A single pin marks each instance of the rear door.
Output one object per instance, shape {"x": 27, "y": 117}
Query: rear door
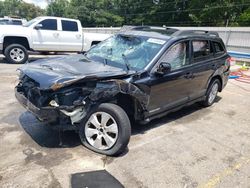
{"x": 203, "y": 66}
{"x": 70, "y": 35}
{"x": 46, "y": 38}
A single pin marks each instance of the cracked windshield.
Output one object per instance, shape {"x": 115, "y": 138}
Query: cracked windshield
{"x": 131, "y": 52}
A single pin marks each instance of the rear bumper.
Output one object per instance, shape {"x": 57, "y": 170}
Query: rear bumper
{"x": 48, "y": 114}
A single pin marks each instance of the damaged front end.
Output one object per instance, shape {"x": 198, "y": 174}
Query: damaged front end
{"x": 65, "y": 105}
{"x": 69, "y": 102}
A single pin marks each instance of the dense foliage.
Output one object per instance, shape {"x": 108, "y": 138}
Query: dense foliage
{"x": 19, "y": 8}
{"x": 137, "y": 12}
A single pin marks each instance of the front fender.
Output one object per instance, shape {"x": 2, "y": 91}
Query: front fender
{"x": 110, "y": 88}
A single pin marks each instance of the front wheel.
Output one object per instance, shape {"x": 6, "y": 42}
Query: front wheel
{"x": 106, "y": 130}
{"x": 16, "y": 53}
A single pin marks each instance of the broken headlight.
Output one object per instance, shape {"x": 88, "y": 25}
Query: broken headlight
{"x": 20, "y": 74}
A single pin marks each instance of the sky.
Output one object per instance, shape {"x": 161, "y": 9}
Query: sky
{"x": 40, "y": 3}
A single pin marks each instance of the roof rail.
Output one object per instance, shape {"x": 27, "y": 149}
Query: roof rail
{"x": 189, "y": 32}
{"x": 154, "y": 28}
{"x": 148, "y": 28}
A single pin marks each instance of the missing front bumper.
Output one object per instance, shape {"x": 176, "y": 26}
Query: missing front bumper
{"x": 48, "y": 114}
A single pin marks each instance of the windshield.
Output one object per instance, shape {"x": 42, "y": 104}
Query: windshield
{"x": 29, "y": 23}
{"x": 130, "y": 52}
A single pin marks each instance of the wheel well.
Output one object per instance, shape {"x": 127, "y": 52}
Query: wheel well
{"x": 16, "y": 40}
{"x": 130, "y": 105}
{"x": 220, "y": 79}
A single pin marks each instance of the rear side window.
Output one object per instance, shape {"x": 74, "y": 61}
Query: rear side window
{"x": 49, "y": 24}
{"x": 17, "y": 22}
{"x": 69, "y": 25}
{"x": 218, "y": 48}
{"x": 201, "y": 49}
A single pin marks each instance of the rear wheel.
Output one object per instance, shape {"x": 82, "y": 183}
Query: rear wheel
{"x": 212, "y": 93}
{"x": 106, "y": 130}
{"x": 16, "y": 53}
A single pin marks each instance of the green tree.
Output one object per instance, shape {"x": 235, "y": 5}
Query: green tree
{"x": 96, "y": 13}
{"x": 214, "y": 12}
{"x": 58, "y": 8}
{"x": 19, "y": 8}
{"x": 244, "y": 19}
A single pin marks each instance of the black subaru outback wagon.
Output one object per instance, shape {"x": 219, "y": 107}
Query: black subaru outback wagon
{"x": 138, "y": 74}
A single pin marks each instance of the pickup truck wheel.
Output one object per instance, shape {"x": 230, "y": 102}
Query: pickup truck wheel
{"x": 106, "y": 129}
{"x": 211, "y": 93}
{"x": 16, "y": 53}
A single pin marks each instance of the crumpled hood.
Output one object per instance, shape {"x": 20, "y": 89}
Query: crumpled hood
{"x": 68, "y": 69}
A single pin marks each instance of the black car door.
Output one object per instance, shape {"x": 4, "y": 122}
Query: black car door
{"x": 203, "y": 66}
{"x": 171, "y": 89}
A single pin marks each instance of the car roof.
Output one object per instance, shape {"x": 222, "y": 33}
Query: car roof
{"x": 166, "y": 33}
{"x": 54, "y": 17}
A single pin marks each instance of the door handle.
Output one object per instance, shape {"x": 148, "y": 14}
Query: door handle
{"x": 78, "y": 36}
{"x": 189, "y": 75}
{"x": 56, "y": 35}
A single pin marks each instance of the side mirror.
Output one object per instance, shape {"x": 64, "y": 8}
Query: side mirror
{"x": 163, "y": 68}
{"x": 38, "y": 26}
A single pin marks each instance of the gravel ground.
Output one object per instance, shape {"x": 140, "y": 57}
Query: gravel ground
{"x": 194, "y": 147}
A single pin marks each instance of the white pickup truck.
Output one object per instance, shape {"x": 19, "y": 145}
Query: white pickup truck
{"x": 45, "y": 34}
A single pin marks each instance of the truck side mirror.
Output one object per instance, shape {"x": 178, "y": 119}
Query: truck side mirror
{"x": 38, "y": 26}
{"x": 163, "y": 68}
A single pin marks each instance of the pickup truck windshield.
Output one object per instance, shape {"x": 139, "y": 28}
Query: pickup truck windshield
{"x": 126, "y": 51}
{"x": 29, "y": 23}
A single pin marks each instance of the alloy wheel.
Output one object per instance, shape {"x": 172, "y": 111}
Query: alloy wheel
{"x": 17, "y": 54}
{"x": 101, "y": 130}
{"x": 213, "y": 93}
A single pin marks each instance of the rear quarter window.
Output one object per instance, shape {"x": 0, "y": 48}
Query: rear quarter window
{"x": 218, "y": 48}
{"x": 17, "y": 22}
{"x": 69, "y": 25}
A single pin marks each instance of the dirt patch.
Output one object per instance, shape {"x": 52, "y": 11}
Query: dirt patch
{"x": 54, "y": 182}
{"x": 107, "y": 160}
{"x": 8, "y": 129}
{"x": 47, "y": 160}
{"x": 230, "y": 113}
{"x": 131, "y": 178}
{"x": 188, "y": 182}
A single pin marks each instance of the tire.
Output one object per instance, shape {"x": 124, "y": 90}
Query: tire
{"x": 211, "y": 93}
{"x": 102, "y": 137}
{"x": 16, "y": 53}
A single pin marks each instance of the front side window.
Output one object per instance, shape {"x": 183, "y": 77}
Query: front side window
{"x": 29, "y": 23}
{"x": 49, "y": 24}
{"x": 69, "y": 25}
{"x": 126, "y": 50}
{"x": 201, "y": 49}
{"x": 177, "y": 56}
{"x": 4, "y": 22}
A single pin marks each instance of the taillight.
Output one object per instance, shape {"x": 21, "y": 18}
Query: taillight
{"x": 230, "y": 61}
